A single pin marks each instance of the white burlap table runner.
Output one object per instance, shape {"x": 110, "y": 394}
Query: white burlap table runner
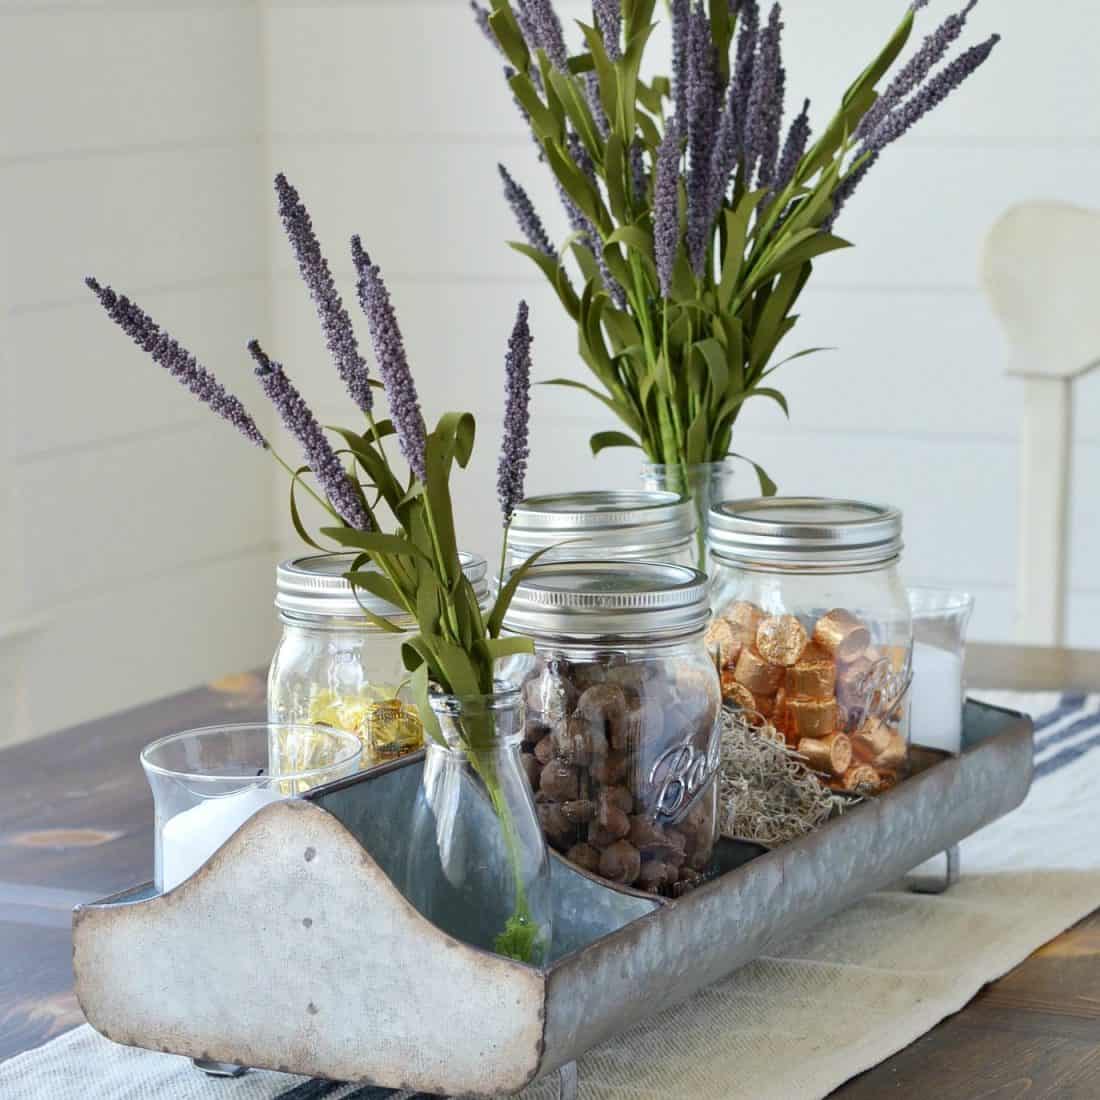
{"x": 794, "y": 1025}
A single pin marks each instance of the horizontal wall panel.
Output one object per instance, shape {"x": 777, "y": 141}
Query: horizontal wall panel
{"x": 134, "y": 220}
{"x": 426, "y": 62}
{"x": 161, "y": 52}
{"x": 98, "y": 385}
{"x": 918, "y": 221}
{"x": 143, "y": 508}
{"x": 143, "y": 641}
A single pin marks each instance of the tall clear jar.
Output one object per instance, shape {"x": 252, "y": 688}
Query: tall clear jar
{"x": 621, "y": 740}
{"x": 812, "y": 630}
{"x": 334, "y": 668}
{"x": 619, "y": 525}
{"x": 704, "y": 485}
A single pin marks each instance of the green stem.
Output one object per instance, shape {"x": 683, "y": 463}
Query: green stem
{"x": 305, "y": 484}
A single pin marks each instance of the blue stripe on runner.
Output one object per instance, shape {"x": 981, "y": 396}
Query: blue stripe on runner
{"x": 374, "y": 1092}
{"x": 1067, "y": 756}
{"x": 1070, "y": 702}
{"x": 311, "y": 1090}
{"x": 1082, "y": 725}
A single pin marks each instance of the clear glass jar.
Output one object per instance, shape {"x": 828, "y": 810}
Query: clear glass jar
{"x": 621, "y": 740}
{"x": 705, "y": 485}
{"x": 812, "y": 629}
{"x": 478, "y": 866}
{"x": 334, "y": 668}
{"x": 619, "y": 525}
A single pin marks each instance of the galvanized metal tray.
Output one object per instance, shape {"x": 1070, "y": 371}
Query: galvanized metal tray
{"x": 292, "y": 949}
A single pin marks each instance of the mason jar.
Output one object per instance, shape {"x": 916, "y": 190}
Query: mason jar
{"x": 621, "y": 738}
{"x": 620, "y": 525}
{"x": 812, "y": 629}
{"x": 333, "y": 667}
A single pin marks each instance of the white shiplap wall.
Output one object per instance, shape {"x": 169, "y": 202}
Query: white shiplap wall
{"x": 139, "y": 528}
{"x": 139, "y": 143}
{"x": 391, "y": 116}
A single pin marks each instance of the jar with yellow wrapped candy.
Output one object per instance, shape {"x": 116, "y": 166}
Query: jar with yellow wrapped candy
{"x": 334, "y": 667}
{"x": 812, "y": 629}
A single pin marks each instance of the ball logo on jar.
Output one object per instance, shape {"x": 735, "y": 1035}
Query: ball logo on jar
{"x": 680, "y": 774}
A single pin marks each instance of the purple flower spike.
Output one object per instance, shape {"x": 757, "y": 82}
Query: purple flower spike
{"x": 916, "y": 70}
{"x": 609, "y": 19}
{"x": 335, "y": 322}
{"x": 595, "y": 104}
{"x": 681, "y": 30}
{"x": 666, "y": 207}
{"x": 389, "y": 350}
{"x": 930, "y": 96}
{"x": 529, "y": 222}
{"x": 178, "y": 361}
{"x": 515, "y": 445}
{"x": 760, "y": 119}
{"x": 544, "y": 27}
{"x": 481, "y": 17}
{"x": 748, "y": 32}
{"x": 798, "y": 138}
{"x": 638, "y": 178}
{"x": 302, "y": 424}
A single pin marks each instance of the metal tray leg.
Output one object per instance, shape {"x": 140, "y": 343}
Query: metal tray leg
{"x": 935, "y": 884}
{"x": 218, "y": 1069}
{"x": 567, "y": 1082}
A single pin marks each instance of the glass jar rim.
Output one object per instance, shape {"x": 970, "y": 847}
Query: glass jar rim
{"x": 352, "y": 745}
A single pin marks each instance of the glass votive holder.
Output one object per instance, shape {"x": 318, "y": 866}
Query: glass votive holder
{"x": 940, "y": 619}
{"x": 207, "y": 782}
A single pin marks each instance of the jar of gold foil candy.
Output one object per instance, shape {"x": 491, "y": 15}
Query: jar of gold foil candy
{"x": 621, "y": 738}
{"x": 333, "y": 667}
{"x": 812, "y": 629}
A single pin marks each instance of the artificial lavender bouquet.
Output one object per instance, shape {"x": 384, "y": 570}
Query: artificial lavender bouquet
{"x": 696, "y": 207}
{"x": 400, "y": 522}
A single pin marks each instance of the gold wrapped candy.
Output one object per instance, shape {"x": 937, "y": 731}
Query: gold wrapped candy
{"x": 810, "y": 717}
{"x": 735, "y": 693}
{"x": 859, "y": 779}
{"x": 830, "y": 755}
{"x": 813, "y": 675}
{"x": 760, "y": 677}
{"x": 723, "y": 638}
{"x": 781, "y": 640}
{"x": 745, "y": 618}
{"x": 842, "y": 634}
{"x": 765, "y": 705}
{"x": 392, "y": 729}
{"x": 871, "y": 739}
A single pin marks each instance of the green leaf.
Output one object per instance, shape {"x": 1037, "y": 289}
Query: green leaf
{"x": 816, "y": 245}
{"x": 496, "y": 648}
{"x": 792, "y": 358}
{"x": 543, "y": 121}
{"x": 737, "y": 229}
{"x": 768, "y": 488}
{"x": 774, "y": 395}
{"x": 295, "y": 518}
{"x": 714, "y": 355}
{"x": 419, "y": 687}
{"x": 554, "y": 272}
{"x": 890, "y": 52}
{"x": 601, "y": 441}
{"x": 577, "y": 185}
{"x": 373, "y": 542}
{"x": 378, "y": 585}
{"x": 697, "y": 436}
{"x": 614, "y": 176}
{"x": 508, "y": 590}
{"x": 502, "y": 21}
{"x": 639, "y": 241}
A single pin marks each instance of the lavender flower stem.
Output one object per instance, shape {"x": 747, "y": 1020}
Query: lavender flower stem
{"x": 515, "y": 441}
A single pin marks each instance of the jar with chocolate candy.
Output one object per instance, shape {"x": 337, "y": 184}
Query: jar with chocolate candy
{"x": 615, "y": 525}
{"x": 622, "y": 732}
{"x": 812, "y": 629}
{"x": 334, "y": 667}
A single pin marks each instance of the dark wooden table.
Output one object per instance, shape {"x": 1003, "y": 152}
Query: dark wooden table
{"x": 76, "y": 824}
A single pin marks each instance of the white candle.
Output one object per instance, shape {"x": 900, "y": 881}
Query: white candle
{"x": 189, "y": 839}
{"x": 937, "y": 693}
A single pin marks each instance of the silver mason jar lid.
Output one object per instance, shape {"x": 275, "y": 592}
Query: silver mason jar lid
{"x": 805, "y": 533}
{"x": 605, "y": 520}
{"x": 588, "y": 600}
{"x": 315, "y": 588}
